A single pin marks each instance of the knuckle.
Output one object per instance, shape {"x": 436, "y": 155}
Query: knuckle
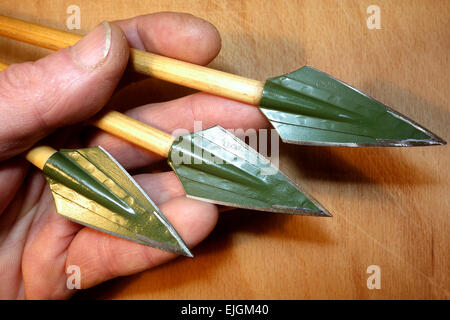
{"x": 22, "y": 86}
{"x": 17, "y": 77}
{"x": 30, "y": 88}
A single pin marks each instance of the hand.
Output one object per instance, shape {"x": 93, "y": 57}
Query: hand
{"x": 41, "y": 99}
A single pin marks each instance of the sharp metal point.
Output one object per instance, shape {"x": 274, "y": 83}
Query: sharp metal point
{"x": 214, "y": 165}
{"x": 310, "y": 107}
{"x": 91, "y": 188}
{"x": 181, "y": 249}
{"x": 321, "y": 212}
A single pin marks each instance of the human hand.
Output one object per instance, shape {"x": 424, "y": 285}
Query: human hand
{"x": 42, "y": 99}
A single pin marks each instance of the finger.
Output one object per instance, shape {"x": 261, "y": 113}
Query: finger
{"x": 177, "y": 35}
{"x": 181, "y": 113}
{"x": 12, "y": 173}
{"x": 160, "y": 187}
{"x": 63, "y": 88}
{"x": 102, "y": 257}
{"x": 14, "y": 228}
{"x": 44, "y": 256}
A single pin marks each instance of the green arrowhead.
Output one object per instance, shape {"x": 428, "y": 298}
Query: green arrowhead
{"x": 216, "y": 166}
{"x": 91, "y": 188}
{"x": 310, "y": 107}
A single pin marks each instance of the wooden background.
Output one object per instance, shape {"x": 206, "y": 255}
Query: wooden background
{"x": 390, "y": 206}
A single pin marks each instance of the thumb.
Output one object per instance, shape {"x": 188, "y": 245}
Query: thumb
{"x": 61, "y": 89}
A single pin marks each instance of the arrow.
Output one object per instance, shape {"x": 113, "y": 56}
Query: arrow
{"x": 214, "y": 165}
{"x": 306, "y": 106}
{"x": 91, "y": 188}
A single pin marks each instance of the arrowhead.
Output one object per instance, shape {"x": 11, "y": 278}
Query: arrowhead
{"x": 310, "y": 107}
{"x": 214, "y": 165}
{"x": 91, "y": 188}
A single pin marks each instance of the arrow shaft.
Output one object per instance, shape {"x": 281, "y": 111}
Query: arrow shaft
{"x": 135, "y": 132}
{"x": 39, "y": 155}
{"x": 168, "y": 69}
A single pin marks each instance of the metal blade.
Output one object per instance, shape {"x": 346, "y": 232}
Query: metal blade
{"x": 310, "y": 107}
{"x": 91, "y": 188}
{"x": 214, "y": 165}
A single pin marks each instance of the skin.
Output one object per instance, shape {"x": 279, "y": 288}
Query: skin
{"x": 40, "y": 100}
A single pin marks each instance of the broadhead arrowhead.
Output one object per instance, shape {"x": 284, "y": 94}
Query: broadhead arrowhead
{"x": 216, "y": 166}
{"x": 91, "y": 188}
{"x": 310, "y": 107}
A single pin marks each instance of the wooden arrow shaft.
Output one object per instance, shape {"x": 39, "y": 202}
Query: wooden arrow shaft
{"x": 168, "y": 69}
{"x": 39, "y": 155}
{"x": 135, "y": 132}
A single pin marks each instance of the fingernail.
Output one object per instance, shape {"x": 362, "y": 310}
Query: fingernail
{"x": 92, "y": 50}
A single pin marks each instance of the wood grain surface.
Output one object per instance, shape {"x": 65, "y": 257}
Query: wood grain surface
{"x": 390, "y": 206}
